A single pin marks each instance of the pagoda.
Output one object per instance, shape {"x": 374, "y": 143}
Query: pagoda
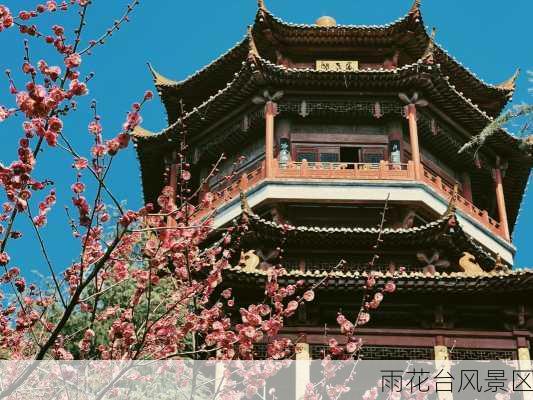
{"x": 350, "y": 137}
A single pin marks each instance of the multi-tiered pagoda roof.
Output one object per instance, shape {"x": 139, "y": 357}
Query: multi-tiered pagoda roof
{"x": 399, "y": 57}
{"x": 270, "y": 35}
{"x": 444, "y": 238}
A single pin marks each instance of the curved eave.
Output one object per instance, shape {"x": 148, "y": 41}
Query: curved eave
{"x": 194, "y": 89}
{"x": 257, "y": 73}
{"x": 492, "y": 98}
{"x": 152, "y": 165}
{"x": 256, "y": 222}
{"x": 418, "y": 76}
{"x": 433, "y": 234}
{"x": 140, "y": 132}
{"x": 266, "y": 18}
{"x": 151, "y": 148}
{"x": 517, "y": 281}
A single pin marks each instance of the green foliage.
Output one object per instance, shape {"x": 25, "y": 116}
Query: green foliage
{"x": 118, "y": 296}
{"x": 478, "y": 141}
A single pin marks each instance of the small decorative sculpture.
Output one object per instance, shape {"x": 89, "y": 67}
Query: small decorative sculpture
{"x": 254, "y": 260}
{"x": 469, "y": 265}
{"x": 395, "y": 155}
{"x": 500, "y": 265}
{"x": 249, "y": 261}
{"x": 284, "y": 154}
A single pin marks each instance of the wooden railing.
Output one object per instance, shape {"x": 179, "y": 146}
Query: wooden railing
{"x": 226, "y": 191}
{"x": 385, "y": 171}
{"x": 447, "y": 191}
{"x": 336, "y": 170}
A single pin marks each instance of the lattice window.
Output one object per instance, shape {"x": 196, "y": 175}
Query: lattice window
{"x": 383, "y": 352}
{"x": 260, "y": 351}
{"x": 482, "y": 354}
{"x": 397, "y": 353}
{"x": 329, "y": 157}
{"x": 318, "y": 351}
{"x": 308, "y": 107}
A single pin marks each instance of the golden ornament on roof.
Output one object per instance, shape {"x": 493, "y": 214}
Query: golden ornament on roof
{"x": 326, "y": 21}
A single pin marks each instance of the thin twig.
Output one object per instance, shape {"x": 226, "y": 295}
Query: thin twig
{"x": 46, "y": 257}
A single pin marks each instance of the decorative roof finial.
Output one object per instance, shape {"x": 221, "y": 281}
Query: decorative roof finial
{"x": 160, "y": 79}
{"x": 510, "y": 84}
{"x": 415, "y": 8}
{"x": 429, "y": 55}
{"x": 261, "y": 5}
{"x": 252, "y": 48}
{"x": 326, "y": 21}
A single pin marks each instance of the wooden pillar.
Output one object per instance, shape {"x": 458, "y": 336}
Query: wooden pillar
{"x": 524, "y": 364}
{"x": 500, "y": 200}
{"x": 270, "y": 113}
{"x": 303, "y": 369}
{"x": 413, "y": 138}
{"x": 441, "y": 351}
{"x": 467, "y": 186}
{"x": 442, "y": 363}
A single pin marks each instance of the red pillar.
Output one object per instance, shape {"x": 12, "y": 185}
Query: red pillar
{"x": 500, "y": 200}
{"x": 413, "y": 138}
{"x": 270, "y": 113}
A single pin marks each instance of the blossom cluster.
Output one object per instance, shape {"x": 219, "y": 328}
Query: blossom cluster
{"x": 148, "y": 283}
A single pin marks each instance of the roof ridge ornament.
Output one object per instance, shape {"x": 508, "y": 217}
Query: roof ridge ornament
{"x": 326, "y": 22}
{"x": 429, "y": 54}
{"x": 253, "y": 53}
{"x": 510, "y": 84}
{"x": 469, "y": 265}
{"x": 500, "y": 265}
{"x": 415, "y": 8}
{"x": 160, "y": 80}
{"x": 261, "y": 5}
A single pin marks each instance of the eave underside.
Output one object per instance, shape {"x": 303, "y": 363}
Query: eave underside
{"x": 444, "y": 233}
{"x": 517, "y": 281}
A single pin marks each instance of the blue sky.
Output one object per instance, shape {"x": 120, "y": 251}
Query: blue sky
{"x": 179, "y": 37}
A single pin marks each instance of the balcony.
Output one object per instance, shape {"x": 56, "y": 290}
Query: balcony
{"x": 383, "y": 171}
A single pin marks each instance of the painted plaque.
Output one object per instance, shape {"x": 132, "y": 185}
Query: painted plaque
{"x": 337, "y": 65}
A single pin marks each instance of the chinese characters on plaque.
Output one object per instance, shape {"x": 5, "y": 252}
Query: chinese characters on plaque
{"x": 337, "y": 65}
